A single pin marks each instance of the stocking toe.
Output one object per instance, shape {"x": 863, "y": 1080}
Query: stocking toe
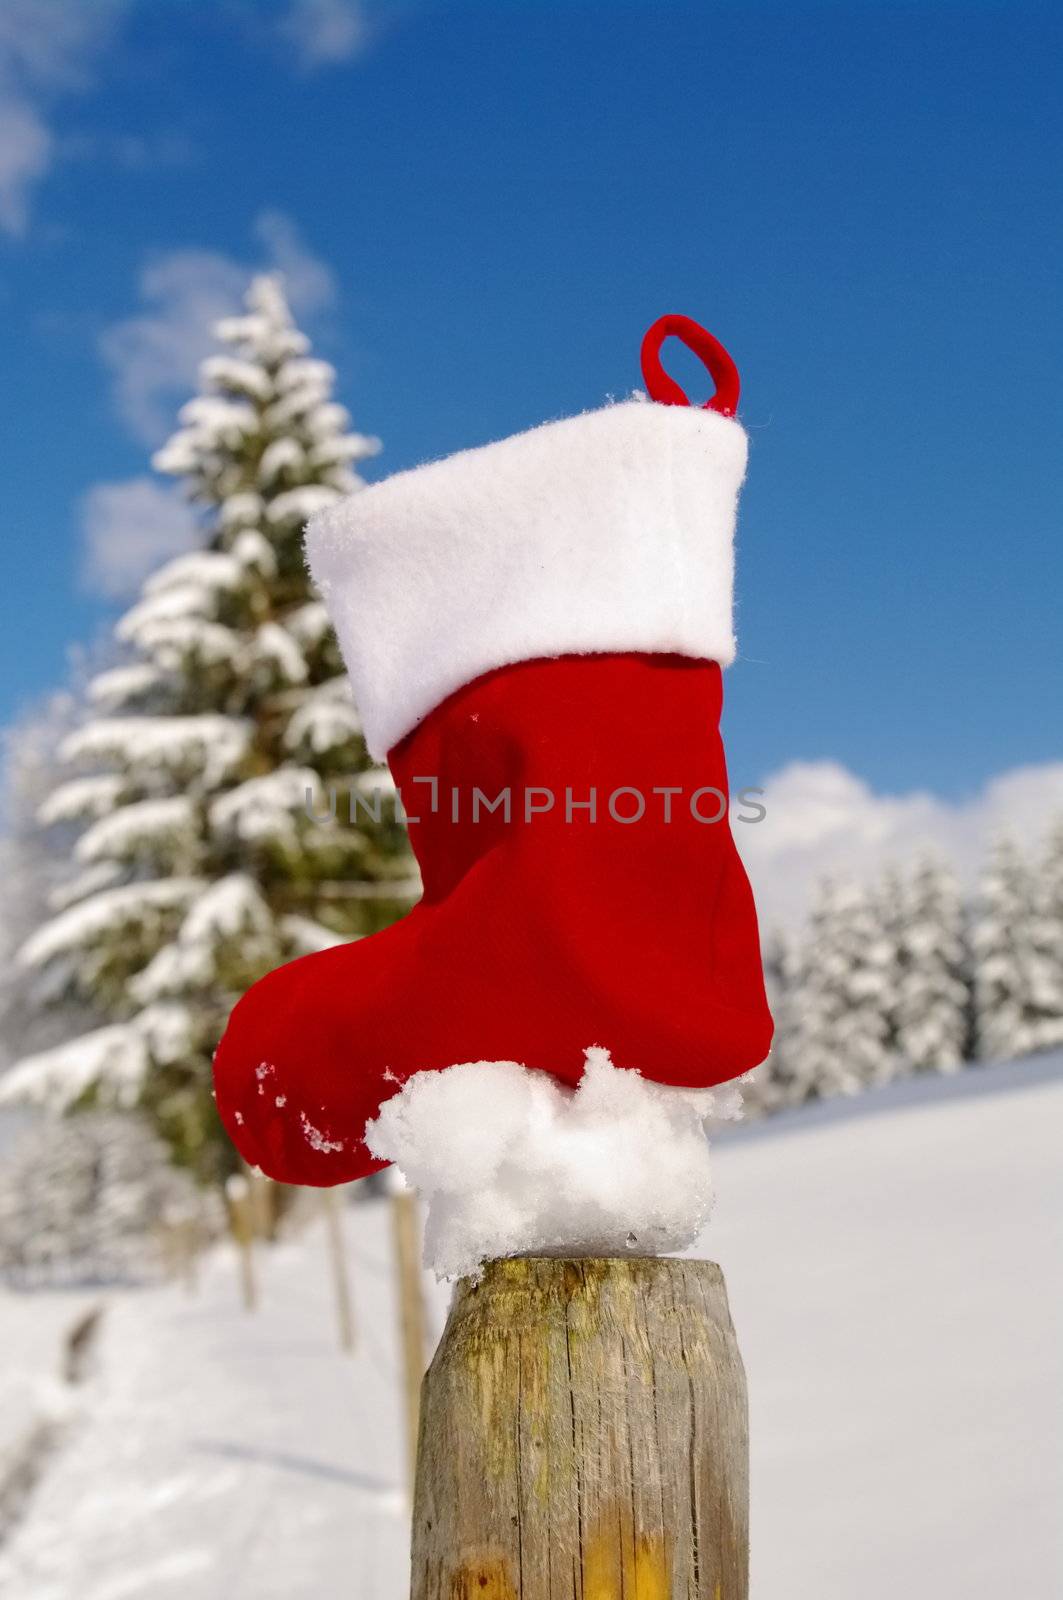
{"x": 289, "y": 1090}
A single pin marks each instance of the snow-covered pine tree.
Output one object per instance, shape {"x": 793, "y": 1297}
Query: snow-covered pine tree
{"x": 33, "y": 873}
{"x": 89, "y": 1202}
{"x": 1048, "y": 937}
{"x": 1015, "y": 992}
{"x": 930, "y": 999}
{"x": 837, "y": 1027}
{"x": 199, "y": 865}
{"x": 768, "y": 1088}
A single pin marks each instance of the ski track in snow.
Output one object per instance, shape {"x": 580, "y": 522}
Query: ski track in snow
{"x": 893, "y": 1275}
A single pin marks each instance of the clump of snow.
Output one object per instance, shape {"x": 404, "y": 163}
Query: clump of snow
{"x": 343, "y": 449}
{"x": 208, "y": 745}
{"x": 208, "y": 421}
{"x": 229, "y": 913}
{"x": 309, "y": 624}
{"x": 117, "y": 912}
{"x": 293, "y": 408}
{"x": 333, "y": 418}
{"x": 183, "y": 641}
{"x": 82, "y": 797}
{"x": 242, "y": 377}
{"x": 182, "y": 599}
{"x": 267, "y": 807}
{"x": 145, "y": 823}
{"x": 115, "y": 1057}
{"x": 120, "y": 685}
{"x": 203, "y": 569}
{"x": 327, "y": 720}
{"x": 306, "y": 936}
{"x": 229, "y": 906}
{"x": 306, "y": 371}
{"x": 313, "y": 1136}
{"x": 253, "y": 551}
{"x": 101, "y": 875}
{"x": 282, "y": 455}
{"x": 268, "y": 328}
{"x": 170, "y": 1029}
{"x": 242, "y": 510}
{"x": 299, "y": 505}
{"x": 276, "y": 646}
{"x": 512, "y": 1162}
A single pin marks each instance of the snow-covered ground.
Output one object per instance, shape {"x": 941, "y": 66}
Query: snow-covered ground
{"x": 231, "y": 1454}
{"x": 893, "y": 1266}
{"x": 37, "y": 1403}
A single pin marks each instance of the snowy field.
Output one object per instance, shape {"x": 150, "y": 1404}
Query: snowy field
{"x": 893, "y": 1266}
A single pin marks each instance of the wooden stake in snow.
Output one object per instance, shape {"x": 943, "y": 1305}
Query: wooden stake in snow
{"x": 584, "y": 1437}
{"x": 187, "y": 1241}
{"x": 241, "y": 1223}
{"x": 407, "y": 1237}
{"x": 180, "y": 1239}
{"x": 330, "y": 1204}
{"x": 261, "y": 1200}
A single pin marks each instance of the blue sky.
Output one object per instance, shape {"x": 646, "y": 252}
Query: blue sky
{"x": 483, "y": 206}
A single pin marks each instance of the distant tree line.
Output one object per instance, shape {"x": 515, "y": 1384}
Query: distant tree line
{"x": 907, "y": 976}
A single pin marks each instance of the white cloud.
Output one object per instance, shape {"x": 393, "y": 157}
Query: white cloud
{"x": 44, "y": 43}
{"x": 822, "y": 820}
{"x": 154, "y": 356}
{"x": 130, "y": 528}
{"x": 47, "y": 48}
{"x": 25, "y": 155}
{"x": 324, "y": 32}
{"x": 309, "y": 282}
{"x": 128, "y": 152}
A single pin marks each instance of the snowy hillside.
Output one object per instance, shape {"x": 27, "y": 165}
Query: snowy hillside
{"x": 894, "y": 1281}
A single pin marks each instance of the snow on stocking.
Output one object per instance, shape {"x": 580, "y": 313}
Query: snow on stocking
{"x": 535, "y": 632}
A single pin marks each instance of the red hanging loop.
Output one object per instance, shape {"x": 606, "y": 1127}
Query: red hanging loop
{"x": 708, "y": 349}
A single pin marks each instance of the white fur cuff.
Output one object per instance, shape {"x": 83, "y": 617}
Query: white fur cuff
{"x": 511, "y": 1162}
{"x": 611, "y": 531}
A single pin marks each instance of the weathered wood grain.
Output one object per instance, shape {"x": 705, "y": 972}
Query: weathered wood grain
{"x": 584, "y": 1437}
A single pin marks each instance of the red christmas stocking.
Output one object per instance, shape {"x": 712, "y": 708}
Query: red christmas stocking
{"x": 535, "y": 632}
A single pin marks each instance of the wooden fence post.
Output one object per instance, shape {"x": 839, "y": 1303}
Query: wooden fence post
{"x": 261, "y": 1202}
{"x": 185, "y": 1241}
{"x": 341, "y": 1278}
{"x": 584, "y": 1437}
{"x": 412, "y": 1337}
{"x": 241, "y": 1223}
